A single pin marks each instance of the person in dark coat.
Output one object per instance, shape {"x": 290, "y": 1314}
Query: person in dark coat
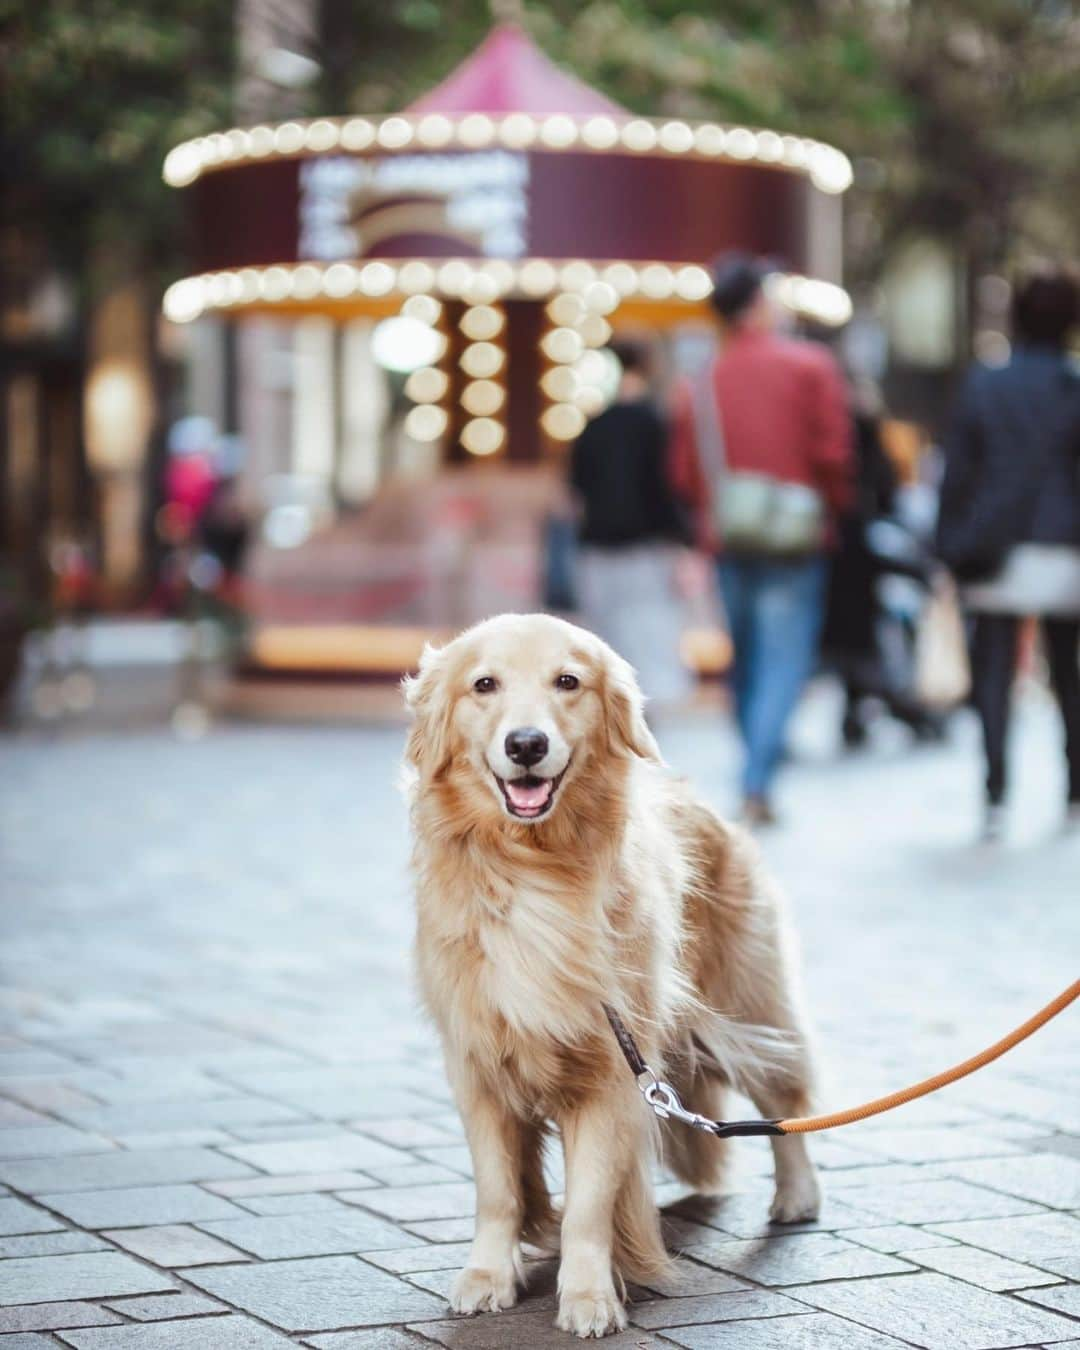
{"x": 1009, "y": 526}
{"x": 631, "y": 531}
{"x": 850, "y": 639}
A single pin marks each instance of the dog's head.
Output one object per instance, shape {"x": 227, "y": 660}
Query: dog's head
{"x": 512, "y": 714}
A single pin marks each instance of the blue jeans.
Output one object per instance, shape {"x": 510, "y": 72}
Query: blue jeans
{"x": 774, "y": 611}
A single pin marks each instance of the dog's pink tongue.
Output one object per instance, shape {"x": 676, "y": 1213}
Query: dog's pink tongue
{"x": 528, "y": 797}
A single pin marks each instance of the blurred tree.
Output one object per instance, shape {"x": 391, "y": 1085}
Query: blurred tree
{"x": 95, "y": 93}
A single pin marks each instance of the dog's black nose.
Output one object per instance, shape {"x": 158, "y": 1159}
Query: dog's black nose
{"x": 526, "y": 746}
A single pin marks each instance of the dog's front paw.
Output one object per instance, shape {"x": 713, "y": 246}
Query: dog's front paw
{"x": 797, "y": 1199}
{"x": 476, "y": 1290}
{"x": 593, "y": 1312}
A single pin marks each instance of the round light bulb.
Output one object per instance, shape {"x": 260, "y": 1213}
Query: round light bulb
{"x": 480, "y": 289}
{"x": 357, "y": 134}
{"x": 426, "y": 422}
{"x": 536, "y": 277}
{"x": 415, "y": 276}
{"x": 562, "y": 345}
{"x": 563, "y": 422}
{"x": 476, "y": 130}
{"x": 639, "y": 135}
{"x": 560, "y": 384}
{"x": 434, "y": 130}
{"x": 657, "y": 281}
{"x": 566, "y": 309}
{"x": 482, "y": 436}
{"x": 676, "y": 138}
{"x": 454, "y": 276}
{"x": 482, "y": 398}
{"x": 481, "y": 323}
{"x": 423, "y": 307}
{"x": 558, "y": 131}
{"x": 709, "y": 139}
{"x": 394, "y": 133}
{"x": 376, "y": 278}
{"x": 575, "y": 276}
{"x": 481, "y": 360}
{"x": 600, "y": 133}
{"x": 622, "y": 277}
{"x": 517, "y": 131}
{"x": 426, "y": 385}
{"x": 601, "y": 297}
{"x": 322, "y": 135}
{"x": 595, "y": 330}
{"x": 692, "y": 283}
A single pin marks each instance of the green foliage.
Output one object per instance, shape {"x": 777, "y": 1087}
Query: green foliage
{"x": 96, "y": 92}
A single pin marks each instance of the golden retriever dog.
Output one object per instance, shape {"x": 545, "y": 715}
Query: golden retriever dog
{"x": 559, "y": 867}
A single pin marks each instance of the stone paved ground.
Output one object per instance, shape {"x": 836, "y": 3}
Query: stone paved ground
{"x": 223, "y": 1126}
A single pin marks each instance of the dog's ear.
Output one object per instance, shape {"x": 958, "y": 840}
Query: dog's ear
{"x": 624, "y": 708}
{"x": 427, "y": 748}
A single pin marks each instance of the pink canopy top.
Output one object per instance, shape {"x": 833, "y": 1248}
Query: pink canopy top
{"x": 508, "y": 73}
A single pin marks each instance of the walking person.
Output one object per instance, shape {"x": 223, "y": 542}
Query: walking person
{"x": 632, "y": 529}
{"x": 1009, "y": 524}
{"x": 762, "y": 451}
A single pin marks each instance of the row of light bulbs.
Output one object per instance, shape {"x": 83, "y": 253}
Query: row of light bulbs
{"x": 476, "y": 283}
{"x": 828, "y": 168}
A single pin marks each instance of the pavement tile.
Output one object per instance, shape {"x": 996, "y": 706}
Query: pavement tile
{"x": 162, "y": 1139}
{"x": 412, "y": 1174}
{"x": 932, "y": 1311}
{"x": 807, "y": 1331}
{"x": 747, "y": 1215}
{"x": 497, "y": 1331}
{"x": 338, "y": 1093}
{"x": 1064, "y": 1298}
{"x": 172, "y": 1245}
{"x": 142, "y": 1206}
{"x": 681, "y": 1312}
{"x": 300, "y": 1183}
{"x": 130, "y": 1117}
{"x": 985, "y": 1269}
{"x": 318, "y": 1294}
{"x": 27, "y": 1340}
{"x": 425, "y": 1256}
{"x": 687, "y": 1279}
{"x": 1049, "y": 1241}
{"x": 443, "y": 1230}
{"x": 919, "y": 1146}
{"x": 313, "y": 1202}
{"x": 408, "y": 1132}
{"x": 1047, "y": 1178}
{"x": 41, "y": 1279}
{"x": 50, "y": 1141}
{"x": 16, "y": 1216}
{"x": 896, "y": 1237}
{"x": 50, "y": 1244}
{"x": 160, "y": 1307}
{"x": 935, "y": 1201}
{"x": 381, "y": 1339}
{"x": 259, "y": 1134}
{"x": 45, "y": 1316}
{"x": 336, "y": 1152}
{"x": 212, "y": 1333}
{"x": 455, "y": 1156}
{"x": 879, "y": 1173}
{"x": 797, "y": 1259}
{"x": 13, "y": 1113}
{"x": 104, "y": 1171}
{"x": 290, "y": 1235}
{"x": 19, "y": 1063}
{"x": 407, "y": 1204}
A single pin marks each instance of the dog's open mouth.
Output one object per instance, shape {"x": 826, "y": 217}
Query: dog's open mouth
{"x": 530, "y": 796}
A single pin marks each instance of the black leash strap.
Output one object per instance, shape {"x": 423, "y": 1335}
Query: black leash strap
{"x": 663, "y": 1098}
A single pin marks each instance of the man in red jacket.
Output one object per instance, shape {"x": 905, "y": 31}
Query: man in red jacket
{"x": 761, "y": 451}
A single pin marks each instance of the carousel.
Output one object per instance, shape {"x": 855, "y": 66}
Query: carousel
{"x": 490, "y": 238}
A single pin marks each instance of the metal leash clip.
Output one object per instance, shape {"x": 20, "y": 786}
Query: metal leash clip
{"x": 664, "y": 1100}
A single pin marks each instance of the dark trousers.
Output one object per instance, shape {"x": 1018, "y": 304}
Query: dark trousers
{"x": 993, "y": 664}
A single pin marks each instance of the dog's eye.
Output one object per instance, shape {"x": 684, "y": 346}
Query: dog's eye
{"x": 486, "y": 684}
{"x": 567, "y": 682}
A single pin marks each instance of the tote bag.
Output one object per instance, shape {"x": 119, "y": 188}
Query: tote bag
{"x": 942, "y": 669}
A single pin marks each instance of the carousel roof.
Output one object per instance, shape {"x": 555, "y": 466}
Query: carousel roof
{"x": 508, "y": 73}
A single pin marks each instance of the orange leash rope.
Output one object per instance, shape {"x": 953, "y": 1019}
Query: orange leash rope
{"x": 664, "y": 1100}
{"x": 810, "y": 1124}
